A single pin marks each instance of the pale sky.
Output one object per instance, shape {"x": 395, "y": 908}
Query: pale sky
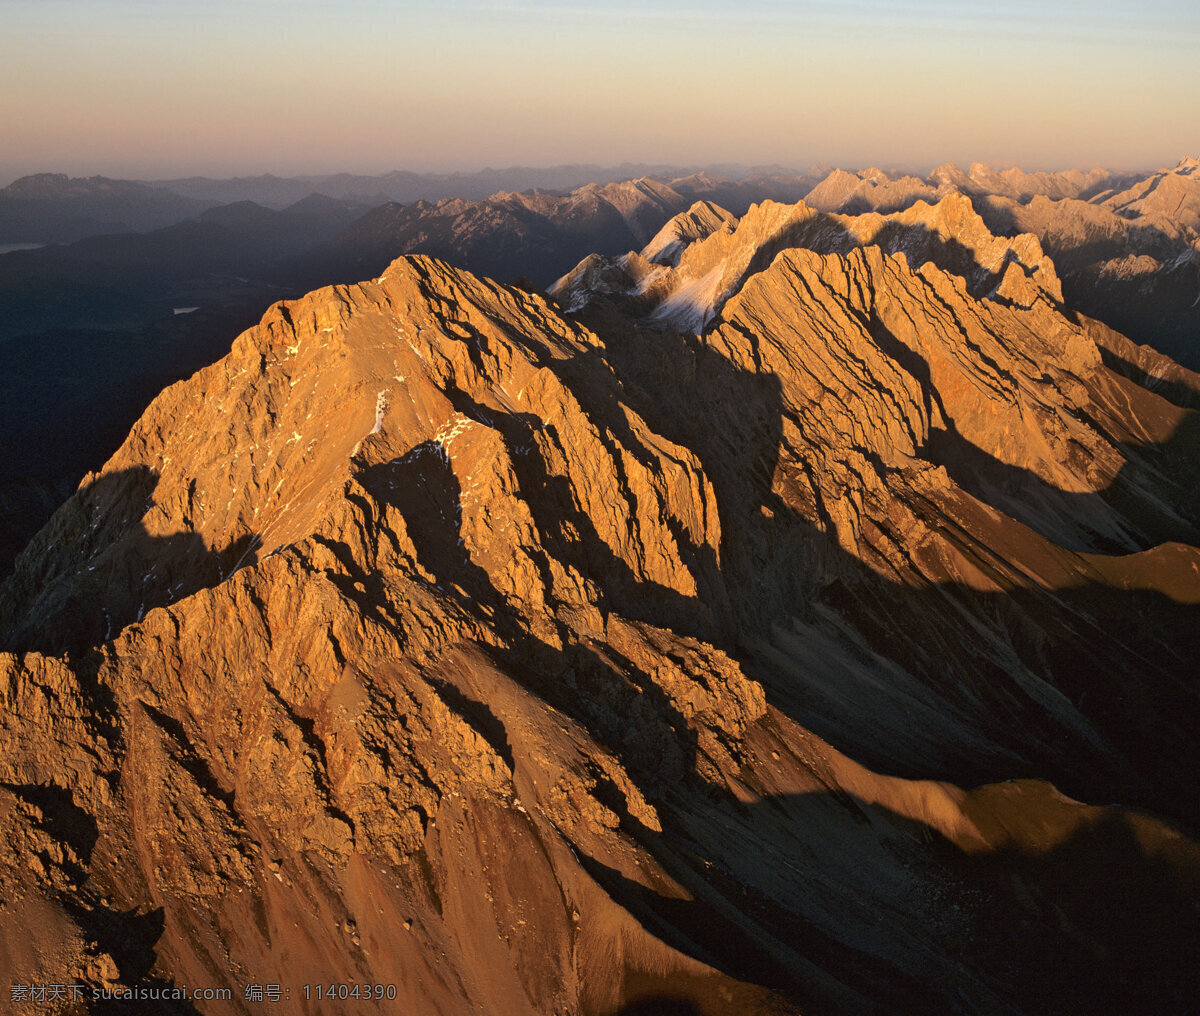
{"x": 159, "y": 88}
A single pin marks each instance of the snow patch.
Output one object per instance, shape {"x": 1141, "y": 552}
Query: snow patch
{"x": 691, "y": 306}
{"x": 648, "y": 280}
{"x": 449, "y": 430}
{"x": 381, "y": 405}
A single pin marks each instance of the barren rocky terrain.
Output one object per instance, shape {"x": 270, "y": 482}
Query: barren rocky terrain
{"x": 795, "y": 616}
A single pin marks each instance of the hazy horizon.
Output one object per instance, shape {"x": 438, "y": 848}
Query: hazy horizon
{"x": 817, "y": 168}
{"x": 139, "y": 90}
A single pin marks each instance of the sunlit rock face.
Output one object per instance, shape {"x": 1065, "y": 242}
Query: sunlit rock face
{"x": 737, "y": 631}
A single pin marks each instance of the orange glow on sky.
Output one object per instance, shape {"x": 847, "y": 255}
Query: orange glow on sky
{"x": 158, "y": 89}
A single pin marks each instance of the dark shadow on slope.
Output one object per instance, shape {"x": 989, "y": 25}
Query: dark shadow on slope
{"x": 660, "y": 1005}
{"x": 130, "y": 938}
{"x": 1161, "y": 310}
{"x": 1067, "y": 909}
{"x": 1081, "y": 522}
{"x": 94, "y": 569}
{"x": 63, "y": 820}
{"x": 479, "y": 717}
{"x": 184, "y": 755}
{"x": 572, "y": 535}
{"x": 1011, "y": 685}
{"x": 1176, "y": 392}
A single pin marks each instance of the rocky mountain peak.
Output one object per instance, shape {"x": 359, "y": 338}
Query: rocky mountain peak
{"x": 701, "y": 220}
{"x": 874, "y": 175}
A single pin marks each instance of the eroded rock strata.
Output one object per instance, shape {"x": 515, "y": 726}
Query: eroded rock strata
{"x": 546, "y": 662}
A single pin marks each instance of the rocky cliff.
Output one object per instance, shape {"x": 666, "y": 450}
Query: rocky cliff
{"x": 537, "y": 661}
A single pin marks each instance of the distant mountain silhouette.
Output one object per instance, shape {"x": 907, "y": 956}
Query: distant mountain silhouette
{"x": 55, "y": 208}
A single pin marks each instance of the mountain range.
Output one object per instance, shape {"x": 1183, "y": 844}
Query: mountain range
{"x": 55, "y": 208}
{"x": 91, "y": 329}
{"x": 790, "y": 610}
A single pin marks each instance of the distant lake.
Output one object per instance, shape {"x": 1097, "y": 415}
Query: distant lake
{"x": 8, "y": 248}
